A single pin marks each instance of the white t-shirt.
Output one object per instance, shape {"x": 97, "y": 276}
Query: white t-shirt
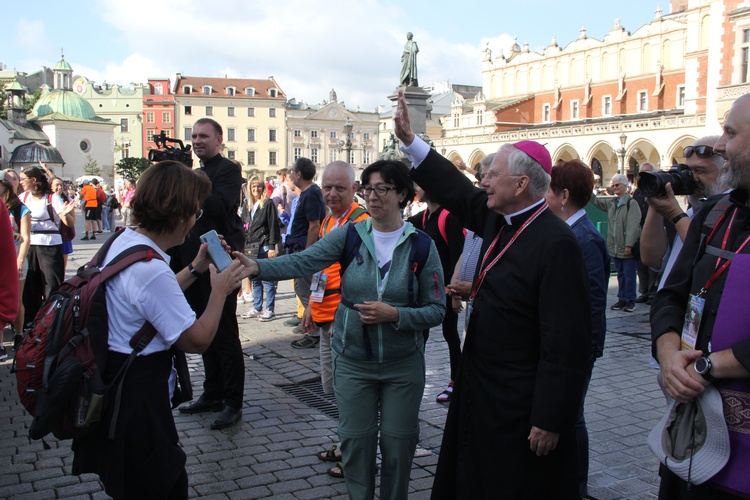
{"x": 145, "y": 291}
{"x": 385, "y": 244}
{"x": 40, "y": 220}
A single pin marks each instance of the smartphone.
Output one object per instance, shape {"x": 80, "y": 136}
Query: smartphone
{"x": 216, "y": 251}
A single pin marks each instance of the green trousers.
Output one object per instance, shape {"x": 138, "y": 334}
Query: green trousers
{"x": 363, "y": 389}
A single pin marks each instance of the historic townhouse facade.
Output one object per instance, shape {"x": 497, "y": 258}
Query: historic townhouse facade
{"x": 158, "y": 113}
{"x": 318, "y": 132}
{"x": 123, "y": 106}
{"x": 615, "y": 103}
{"x": 251, "y": 111}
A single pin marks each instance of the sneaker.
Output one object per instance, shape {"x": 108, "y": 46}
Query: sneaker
{"x": 307, "y": 342}
{"x": 641, "y": 299}
{"x": 92, "y": 237}
{"x": 629, "y": 307}
{"x": 618, "y": 305}
{"x": 266, "y": 316}
{"x": 295, "y": 321}
{"x": 248, "y": 297}
{"x": 252, "y": 313}
{"x": 85, "y": 238}
{"x": 3, "y": 352}
{"x": 298, "y": 330}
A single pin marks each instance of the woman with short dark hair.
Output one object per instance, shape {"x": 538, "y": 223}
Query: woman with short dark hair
{"x": 378, "y": 341}
{"x": 145, "y": 460}
{"x": 569, "y": 192}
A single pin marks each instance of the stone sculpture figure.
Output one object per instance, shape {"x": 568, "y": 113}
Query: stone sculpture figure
{"x": 409, "y": 63}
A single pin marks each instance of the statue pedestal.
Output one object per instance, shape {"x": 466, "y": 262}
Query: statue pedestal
{"x": 416, "y": 98}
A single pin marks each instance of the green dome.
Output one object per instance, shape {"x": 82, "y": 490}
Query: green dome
{"x": 65, "y": 102}
{"x": 62, "y": 65}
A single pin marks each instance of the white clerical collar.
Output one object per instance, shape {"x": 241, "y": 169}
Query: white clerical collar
{"x": 523, "y": 210}
{"x": 576, "y": 217}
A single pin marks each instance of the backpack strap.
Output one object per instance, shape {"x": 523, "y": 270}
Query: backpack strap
{"x": 420, "y": 250}
{"x": 351, "y": 248}
{"x": 356, "y": 213}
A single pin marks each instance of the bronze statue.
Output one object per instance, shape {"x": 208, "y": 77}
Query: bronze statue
{"x": 409, "y": 63}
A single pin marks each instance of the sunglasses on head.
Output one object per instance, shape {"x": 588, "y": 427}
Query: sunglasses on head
{"x": 700, "y": 151}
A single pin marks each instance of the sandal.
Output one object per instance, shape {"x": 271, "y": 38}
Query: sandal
{"x": 445, "y": 396}
{"x": 330, "y": 455}
{"x": 337, "y": 471}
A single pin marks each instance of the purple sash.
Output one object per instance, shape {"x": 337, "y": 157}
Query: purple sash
{"x": 733, "y": 325}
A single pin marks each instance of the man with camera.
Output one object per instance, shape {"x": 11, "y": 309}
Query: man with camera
{"x": 710, "y": 277}
{"x": 223, "y": 361}
{"x": 701, "y": 181}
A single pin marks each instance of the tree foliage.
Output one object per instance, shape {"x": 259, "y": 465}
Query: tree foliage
{"x": 131, "y": 168}
{"x": 91, "y": 167}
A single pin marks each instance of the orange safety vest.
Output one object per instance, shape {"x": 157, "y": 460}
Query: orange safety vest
{"x": 323, "y": 312}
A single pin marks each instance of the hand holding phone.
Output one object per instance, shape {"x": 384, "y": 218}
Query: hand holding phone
{"x": 216, "y": 251}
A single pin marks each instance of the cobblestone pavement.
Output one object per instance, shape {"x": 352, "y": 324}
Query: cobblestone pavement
{"x": 287, "y": 420}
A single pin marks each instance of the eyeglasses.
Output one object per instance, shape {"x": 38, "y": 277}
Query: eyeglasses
{"x": 199, "y": 214}
{"x": 379, "y": 190}
{"x": 700, "y": 151}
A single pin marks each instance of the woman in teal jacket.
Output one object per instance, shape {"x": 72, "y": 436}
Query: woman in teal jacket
{"x": 378, "y": 341}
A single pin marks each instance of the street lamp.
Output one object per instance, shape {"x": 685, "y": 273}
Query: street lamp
{"x": 443, "y": 151}
{"x": 623, "y": 140}
{"x": 348, "y": 144}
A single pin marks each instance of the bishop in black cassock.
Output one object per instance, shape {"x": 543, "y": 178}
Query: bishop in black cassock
{"x": 510, "y": 426}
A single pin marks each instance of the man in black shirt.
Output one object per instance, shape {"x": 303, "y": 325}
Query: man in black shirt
{"x": 310, "y": 211}
{"x": 223, "y": 361}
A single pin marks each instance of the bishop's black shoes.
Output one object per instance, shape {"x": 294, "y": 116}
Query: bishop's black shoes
{"x": 202, "y": 405}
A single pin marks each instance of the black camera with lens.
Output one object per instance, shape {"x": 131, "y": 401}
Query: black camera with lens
{"x": 182, "y": 154}
{"x": 655, "y": 183}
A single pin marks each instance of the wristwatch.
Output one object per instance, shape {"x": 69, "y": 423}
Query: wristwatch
{"x": 193, "y": 270}
{"x": 703, "y": 368}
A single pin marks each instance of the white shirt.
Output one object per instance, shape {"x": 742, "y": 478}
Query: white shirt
{"x": 40, "y": 220}
{"x": 146, "y": 291}
{"x": 385, "y": 244}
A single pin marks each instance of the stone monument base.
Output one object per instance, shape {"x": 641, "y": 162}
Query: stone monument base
{"x": 416, "y": 98}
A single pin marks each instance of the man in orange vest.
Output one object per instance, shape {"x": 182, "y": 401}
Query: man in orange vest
{"x": 338, "y": 186}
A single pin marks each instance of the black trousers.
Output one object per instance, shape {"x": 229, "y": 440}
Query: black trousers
{"x": 46, "y": 272}
{"x": 223, "y": 360}
{"x": 450, "y": 334}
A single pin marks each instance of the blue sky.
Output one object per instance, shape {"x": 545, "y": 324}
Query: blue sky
{"x": 309, "y": 47}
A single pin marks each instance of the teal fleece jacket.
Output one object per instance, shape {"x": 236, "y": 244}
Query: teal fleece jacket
{"x": 360, "y": 283}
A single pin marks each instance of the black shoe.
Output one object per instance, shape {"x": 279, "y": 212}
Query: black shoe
{"x": 85, "y": 237}
{"x": 641, "y": 299}
{"x": 629, "y": 307}
{"x": 93, "y": 237}
{"x": 227, "y": 418}
{"x": 650, "y": 301}
{"x": 618, "y": 305}
{"x": 202, "y": 405}
{"x": 3, "y": 352}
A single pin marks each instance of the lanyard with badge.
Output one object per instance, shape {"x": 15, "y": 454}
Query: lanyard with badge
{"x": 696, "y": 302}
{"x": 319, "y": 279}
{"x": 484, "y": 267}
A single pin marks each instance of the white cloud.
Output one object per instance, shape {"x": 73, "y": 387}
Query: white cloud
{"x": 309, "y": 48}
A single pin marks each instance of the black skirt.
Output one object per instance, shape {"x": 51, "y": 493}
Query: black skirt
{"x": 144, "y": 460}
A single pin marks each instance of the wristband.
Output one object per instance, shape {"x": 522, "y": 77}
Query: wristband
{"x": 192, "y": 270}
{"x": 678, "y": 218}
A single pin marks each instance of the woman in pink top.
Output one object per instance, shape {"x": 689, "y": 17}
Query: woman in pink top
{"x": 127, "y": 196}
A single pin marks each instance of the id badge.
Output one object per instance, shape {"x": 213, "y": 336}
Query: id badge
{"x": 318, "y": 287}
{"x": 691, "y": 327}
